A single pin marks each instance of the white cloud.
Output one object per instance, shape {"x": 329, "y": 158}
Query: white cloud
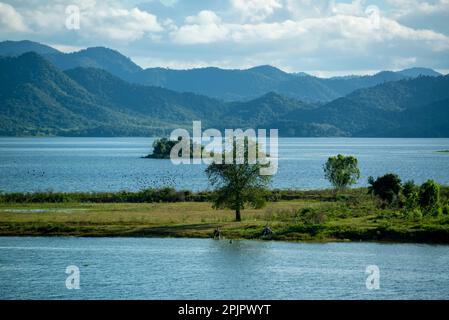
{"x": 206, "y": 27}
{"x": 350, "y": 27}
{"x": 117, "y": 23}
{"x": 65, "y": 48}
{"x": 302, "y": 9}
{"x": 353, "y": 8}
{"x": 10, "y": 19}
{"x": 104, "y": 20}
{"x": 403, "y": 62}
{"x": 255, "y": 10}
{"x": 413, "y": 7}
{"x": 326, "y": 35}
{"x": 204, "y": 17}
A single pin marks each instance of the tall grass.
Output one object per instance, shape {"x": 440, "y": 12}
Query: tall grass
{"x": 147, "y": 195}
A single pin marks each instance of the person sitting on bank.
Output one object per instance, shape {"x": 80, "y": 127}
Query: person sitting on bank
{"x": 217, "y": 233}
{"x": 266, "y": 231}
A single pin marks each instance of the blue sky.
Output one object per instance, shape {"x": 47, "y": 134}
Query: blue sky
{"x": 321, "y": 37}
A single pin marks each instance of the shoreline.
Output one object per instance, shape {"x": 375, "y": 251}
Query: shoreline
{"x": 301, "y": 216}
{"x": 325, "y": 241}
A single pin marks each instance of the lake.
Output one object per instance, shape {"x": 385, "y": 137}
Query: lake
{"x": 112, "y": 164}
{"x": 152, "y": 268}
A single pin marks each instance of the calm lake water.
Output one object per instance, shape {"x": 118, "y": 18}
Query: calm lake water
{"x": 111, "y": 164}
{"x": 147, "y": 268}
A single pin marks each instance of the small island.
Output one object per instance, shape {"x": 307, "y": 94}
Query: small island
{"x": 162, "y": 148}
{"x": 443, "y": 151}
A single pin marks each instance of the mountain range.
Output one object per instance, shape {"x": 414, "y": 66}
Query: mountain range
{"x": 223, "y": 84}
{"x": 91, "y": 93}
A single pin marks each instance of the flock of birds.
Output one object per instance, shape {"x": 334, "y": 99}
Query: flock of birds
{"x": 36, "y": 173}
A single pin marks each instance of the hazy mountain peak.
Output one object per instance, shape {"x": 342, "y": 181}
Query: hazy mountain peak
{"x": 419, "y": 71}
{"x": 272, "y": 95}
{"x": 99, "y": 50}
{"x": 384, "y": 73}
{"x": 265, "y": 68}
{"x": 270, "y": 72}
{"x": 16, "y": 48}
{"x": 102, "y": 58}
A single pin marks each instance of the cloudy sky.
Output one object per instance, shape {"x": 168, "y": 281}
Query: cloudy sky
{"x": 316, "y": 36}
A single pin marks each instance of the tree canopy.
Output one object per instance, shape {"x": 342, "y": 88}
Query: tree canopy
{"x": 342, "y": 171}
{"x": 387, "y": 187}
{"x": 162, "y": 148}
{"x": 238, "y": 183}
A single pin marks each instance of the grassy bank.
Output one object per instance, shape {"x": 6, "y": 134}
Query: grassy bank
{"x": 306, "y": 216}
{"x": 168, "y": 195}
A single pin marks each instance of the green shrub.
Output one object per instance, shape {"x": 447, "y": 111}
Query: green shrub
{"x": 412, "y": 200}
{"x": 446, "y": 209}
{"x": 429, "y": 197}
{"x": 414, "y": 214}
{"x": 386, "y": 188}
{"x": 342, "y": 197}
{"x": 310, "y": 216}
{"x": 409, "y": 188}
{"x": 274, "y": 196}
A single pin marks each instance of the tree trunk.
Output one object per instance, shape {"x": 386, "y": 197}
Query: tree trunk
{"x": 237, "y": 215}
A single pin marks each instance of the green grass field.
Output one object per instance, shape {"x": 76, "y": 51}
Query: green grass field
{"x": 314, "y": 218}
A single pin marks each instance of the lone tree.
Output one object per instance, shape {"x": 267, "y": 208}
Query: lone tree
{"x": 238, "y": 183}
{"x": 341, "y": 171}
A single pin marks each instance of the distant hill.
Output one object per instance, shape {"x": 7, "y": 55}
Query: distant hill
{"x": 262, "y": 111}
{"x": 407, "y": 108}
{"x": 223, "y": 84}
{"x": 37, "y": 98}
{"x": 214, "y": 82}
{"x": 97, "y": 57}
{"x": 416, "y": 72}
{"x": 232, "y": 85}
{"x": 146, "y": 101}
{"x": 17, "y": 48}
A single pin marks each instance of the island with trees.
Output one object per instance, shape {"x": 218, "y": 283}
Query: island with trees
{"x": 162, "y": 148}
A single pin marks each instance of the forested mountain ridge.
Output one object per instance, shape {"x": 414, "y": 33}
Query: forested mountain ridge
{"x": 37, "y": 98}
{"x": 223, "y": 84}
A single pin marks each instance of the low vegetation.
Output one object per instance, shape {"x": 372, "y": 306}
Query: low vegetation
{"x": 292, "y": 215}
{"x": 165, "y": 195}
